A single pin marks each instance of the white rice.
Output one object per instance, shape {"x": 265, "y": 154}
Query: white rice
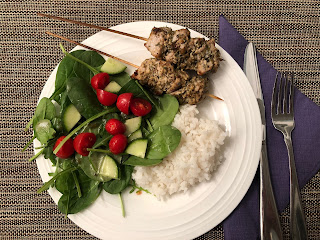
{"x": 192, "y": 162}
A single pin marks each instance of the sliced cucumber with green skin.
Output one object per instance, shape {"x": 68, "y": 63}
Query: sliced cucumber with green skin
{"x": 108, "y": 168}
{"x": 135, "y": 135}
{"x": 70, "y": 117}
{"x": 132, "y": 125}
{"x": 112, "y": 66}
{"x": 137, "y": 148}
{"x": 113, "y": 87}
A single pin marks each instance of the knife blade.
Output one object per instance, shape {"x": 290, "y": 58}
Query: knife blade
{"x": 270, "y": 227}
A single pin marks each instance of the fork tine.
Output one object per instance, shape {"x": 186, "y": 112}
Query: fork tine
{"x": 291, "y": 95}
{"x": 274, "y": 96}
{"x": 280, "y": 95}
{"x": 286, "y": 96}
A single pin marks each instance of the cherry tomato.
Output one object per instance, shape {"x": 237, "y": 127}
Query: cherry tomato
{"x": 84, "y": 141}
{"x": 123, "y": 102}
{"x": 114, "y": 127}
{"x": 118, "y": 143}
{"x": 140, "y": 107}
{"x": 67, "y": 148}
{"x": 106, "y": 98}
{"x": 100, "y": 80}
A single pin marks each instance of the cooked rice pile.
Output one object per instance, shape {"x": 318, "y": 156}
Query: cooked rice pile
{"x": 192, "y": 162}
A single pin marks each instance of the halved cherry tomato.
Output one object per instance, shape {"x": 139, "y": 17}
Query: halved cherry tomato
{"x": 84, "y": 141}
{"x": 115, "y": 126}
{"x": 106, "y": 98}
{"x": 67, "y": 148}
{"x": 118, "y": 143}
{"x": 123, "y": 102}
{"x": 100, "y": 80}
{"x": 140, "y": 107}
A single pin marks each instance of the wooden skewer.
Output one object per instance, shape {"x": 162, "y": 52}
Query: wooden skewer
{"x": 91, "y": 25}
{"x": 213, "y": 96}
{"x": 93, "y": 49}
{"x": 111, "y": 56}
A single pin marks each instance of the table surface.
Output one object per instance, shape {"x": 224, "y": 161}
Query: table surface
{"x": 286, "y": 32}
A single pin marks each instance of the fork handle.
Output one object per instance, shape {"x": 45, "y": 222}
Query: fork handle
{"x": 269, "y": 218}
{"x": 297, "y": 220}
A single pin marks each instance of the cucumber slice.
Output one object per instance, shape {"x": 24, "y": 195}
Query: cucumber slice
{"x": 112, "y": 66}
{"x": 108, "y": 168}
{"x": 137, "y": 148}
{"x": 135, "y": 135}
{"x": 70, "y": 117}
{"x": 113, "y": 87}
{"x": 132, "y": 125}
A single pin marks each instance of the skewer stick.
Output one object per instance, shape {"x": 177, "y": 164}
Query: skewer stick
{"x": 93, "y": 49}
{"x": 111, "y": 56}
{"x": 91, "y": 25}
{"x": 213, "y": 96}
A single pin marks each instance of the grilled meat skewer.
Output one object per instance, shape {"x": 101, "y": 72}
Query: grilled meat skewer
{"x": 174, "y": 46}
{"x": 161, "y": 77}
{"x": 185, "y": 52}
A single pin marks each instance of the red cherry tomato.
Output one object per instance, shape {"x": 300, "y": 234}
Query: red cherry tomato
{"x": 123, "y": 102}
{"x": 106, "y": 98}
{"x": 84, "y": 141}
{"x": 118, "y": 143}
{"x": 140, "y": 107}
{"x": 67, "y": 148}
{"x": 114, "y": 127}
{"x": 100, "y": 80}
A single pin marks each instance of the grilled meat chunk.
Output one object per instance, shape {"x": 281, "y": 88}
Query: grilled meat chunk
{"x": 168, "y": 45}
{"x": 160, "y": 76}
{"x": 193, "y": 92}
{"x": 186, "y": 53}
{"x": 203, "y": 56}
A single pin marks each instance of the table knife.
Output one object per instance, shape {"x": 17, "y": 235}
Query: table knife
{"x": 270, "y": 227}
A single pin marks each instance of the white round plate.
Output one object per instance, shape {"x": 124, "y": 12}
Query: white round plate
{"x": 189, "y": 215}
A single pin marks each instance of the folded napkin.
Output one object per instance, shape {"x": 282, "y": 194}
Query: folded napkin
{"x": 243, "y": 222}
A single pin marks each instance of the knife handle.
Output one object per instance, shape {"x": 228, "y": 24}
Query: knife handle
{"x": 270, "y": 227}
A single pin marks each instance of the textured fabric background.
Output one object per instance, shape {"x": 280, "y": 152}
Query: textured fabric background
{"x": 286, "y": 32}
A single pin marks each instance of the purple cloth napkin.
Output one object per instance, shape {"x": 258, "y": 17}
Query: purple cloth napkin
{"x": 243, "y": 222}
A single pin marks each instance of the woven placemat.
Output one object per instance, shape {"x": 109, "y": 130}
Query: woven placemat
{"x": 285, "y": 32}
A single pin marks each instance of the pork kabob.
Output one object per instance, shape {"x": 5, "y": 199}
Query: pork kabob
{"x": 176, "y": 47}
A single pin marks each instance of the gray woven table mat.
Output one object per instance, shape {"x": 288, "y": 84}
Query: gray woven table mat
{"x": 285, "y": 32}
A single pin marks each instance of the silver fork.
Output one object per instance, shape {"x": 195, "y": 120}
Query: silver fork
{"x": 283, "y": 120}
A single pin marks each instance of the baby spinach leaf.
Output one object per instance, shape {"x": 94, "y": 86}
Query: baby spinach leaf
{"x": 138, "y": 91}
{"x": 136, "y": 161}
{"x": 92, "y": 58}
{"x": 163, "y": 141}
{"x": 83, "y": 97}
{"x": 121, "y": 78}
{"x": 92, "y": 127}
{"x": 71, "y": 203}
{"x": 48, "y": 154}
{"x": 44, "y": 110}
{"x": 65, "y": 182}
{"x": 132, "y": 87}
{"x": 164, "y": 115}
{"x": 57, "y": 124}
{"x": 118, "y": 185}
{"x": 65, "y": 70}
{"x": 44, "y": 131}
